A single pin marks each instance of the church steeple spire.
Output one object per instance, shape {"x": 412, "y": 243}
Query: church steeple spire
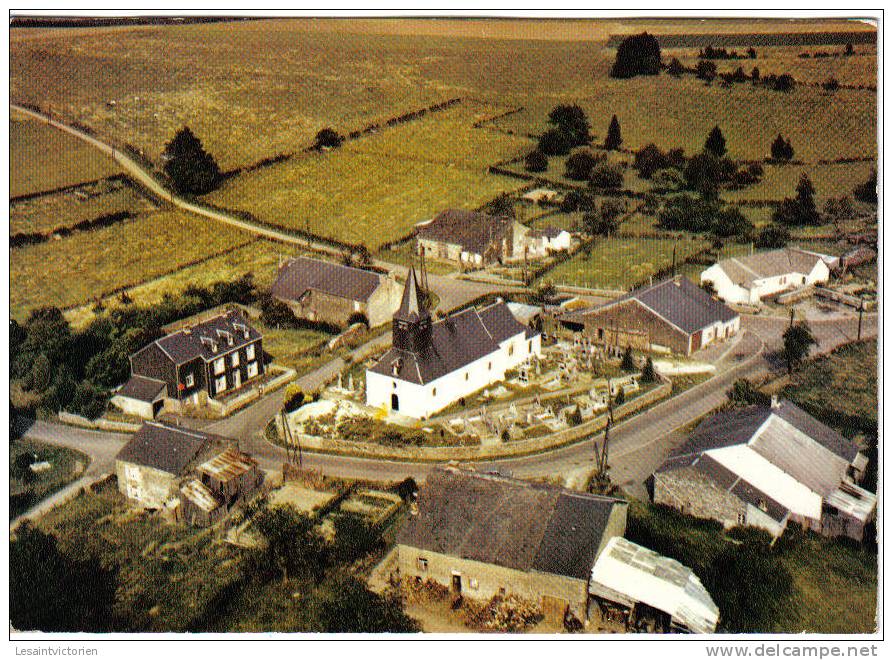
{"x": 412, "y": 321}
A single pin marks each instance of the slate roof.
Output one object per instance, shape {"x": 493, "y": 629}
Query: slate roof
{"x": 508, "y": 522}
{"x": 472, "y": 230}
{"x": 142, "y": 388}
{"x": 456, "y": 341}
{"x": 164, "y": 447}
{"x": 187, "y": 344}
{"x": 744, "y": 271}
{"x": 549, "y": 232}
{"x": 303, "y": 274}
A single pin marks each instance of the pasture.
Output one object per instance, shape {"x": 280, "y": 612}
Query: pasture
{"x": 375, "y": 189}
{"x": 43, "y": 158}
{"x": 618, "y": 263}
{"x": 100, "y": 261}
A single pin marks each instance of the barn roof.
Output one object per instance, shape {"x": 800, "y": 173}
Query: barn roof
{"x": 164, "y": 447}
{"x": 508, "y": 522}
{"x": 744, "y": 271}
{"x": 304, "y": 274}
{"x": 200, "y": 495}
{"x": 229, "y": 464}
{"x": 456, "y": 341}
{"x": 472, "y": 230}
{"x": 142, "y": 388}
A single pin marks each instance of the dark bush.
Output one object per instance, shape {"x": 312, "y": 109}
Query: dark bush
{"x": 637, "y": 55}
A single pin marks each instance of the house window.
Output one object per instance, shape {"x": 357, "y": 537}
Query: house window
{"x": 422, "y": 564}
{"x": 219, "y": 366}
{"x": 466, "y": 375}
{"x": 511, "y": 349}
{"x": 356, "y": 306}
{"x": 762, "y": 505}
{"x": 220, "y": 384}
{"x": 473, "y": 583}
{"x": 434, "y": 392}
{"x": 252, "y": 369}
{"x": 249, "y": 352}
{"x": 530, "y": 346}
{"x": 234, "y": 359}
{"x": 190, "y": 380}
{"x": 742, "y": 518}
{"x": 489, "y": 366}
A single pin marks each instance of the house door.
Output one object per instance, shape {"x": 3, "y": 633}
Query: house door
{"x": 395, "y": 402}
{"x": 156, "y": 407}
{"x": 237, "y": 379}
{"x": 457, "y": 584}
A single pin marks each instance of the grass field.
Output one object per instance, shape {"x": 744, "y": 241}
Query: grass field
{"x": 617, "y": 263}
{"x": 66, "y": 465}
{"x": 99, "y": 261}
{"x": 44, "y": 158}
{"x": 375, "y": 189}
{"x": 50, "y": 212}
{"x": 830, "y": 180}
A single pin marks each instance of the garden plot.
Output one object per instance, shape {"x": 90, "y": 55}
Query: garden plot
{"x": 374, "y": 505}
{"x": 305, "y": 500}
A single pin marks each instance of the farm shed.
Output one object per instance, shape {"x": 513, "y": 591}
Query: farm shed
{"x": 650, "y": 592}
{"x": 747, "y": 280}
{"x": 319, "y": 290}
{"x": 471, "y": 238}
{"x": 673, "y": 315}
{"x": 231, "y": 475}
{"x": 199, "y": 507}
{"x": 768, "y": 466}
{"x": 141, "y": 396}
{"x": 538, "y": 195}
{"x": 482, "y": 534}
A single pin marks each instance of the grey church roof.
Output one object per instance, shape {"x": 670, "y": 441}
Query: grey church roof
{"x": 302, "y": 274}
{"x": 508, "y": 522}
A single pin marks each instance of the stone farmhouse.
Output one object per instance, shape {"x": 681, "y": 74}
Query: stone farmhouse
{"x": 470, "y": 238}
{"x": 195, "y": 476}
{"x": 674, "y": 315}
{"x": 483, "y": 534}
{"x": 433, "y": 364}
{"x": 769, "y": 466}
{"x": 747, "y": 280}
{"x": 319, "y": 290}
{"x": 540, "y": 242}
{"x": 211, "y": 359}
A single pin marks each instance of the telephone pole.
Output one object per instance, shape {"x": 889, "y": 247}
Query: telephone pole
{"x": 861, "y": 309}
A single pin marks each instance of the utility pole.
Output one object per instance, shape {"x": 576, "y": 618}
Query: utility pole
{"x": 792, "y": 318}
{"x": 674, "y": 258}
{"x": 861, "y": 309}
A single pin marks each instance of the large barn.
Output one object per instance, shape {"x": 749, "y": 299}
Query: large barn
{"x": 768, "y": 466}
{"x": 674, "y": 315}
{"x": 433, "y": 364}
{"x": 471, "y": 238}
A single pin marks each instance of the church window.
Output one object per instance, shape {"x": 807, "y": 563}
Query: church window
{"x": 434, "y": 392}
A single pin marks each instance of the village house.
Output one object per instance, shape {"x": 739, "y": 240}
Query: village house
{"x": 747, "y": 280}
{"x": 674, "y": 315}
{"x": 483, "y": 535}
{"x": 210, "y": 359}
{"x": 768, "y": 466}
{"x": 542, "y": 242}
{"x": 197, "y": 476}
{"x": 319, "y": 290}
{"x": 433, "y": 364}
{"x": 471, "y": 238}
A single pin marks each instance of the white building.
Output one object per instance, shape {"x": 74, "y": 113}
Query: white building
{"x": 432, "y": 365}
{"x": 747, "y": 280}
{"x": 540, "y": 242}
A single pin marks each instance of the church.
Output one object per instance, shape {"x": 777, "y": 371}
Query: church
{"x": 434, "y": 364}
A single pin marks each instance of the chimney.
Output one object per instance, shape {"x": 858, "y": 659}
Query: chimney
{"x": 775, "y": 402}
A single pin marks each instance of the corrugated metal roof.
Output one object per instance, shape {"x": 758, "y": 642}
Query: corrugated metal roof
{"x": 197, "y": 493}
{"x": 663, "y": 583}
{"x": 229, "y": 464}
{"x": 854, "y": 501}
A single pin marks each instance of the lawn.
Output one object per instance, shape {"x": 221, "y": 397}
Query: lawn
{"x": 622, "y": 263}
{"x": 66, "y": 465}
{"x": 49, "y": 213}
{"x": 831, "y": 180}
{"x": 404, "y": 254}
{"x": 375, "y": 189}
{"x": 44, "y": 158}
{"x": 77, "y": 269}
{"x": 832, "y": 584}
{"x": 292, "y": 347}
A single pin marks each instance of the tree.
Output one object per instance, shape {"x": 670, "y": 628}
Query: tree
{"x": 627, "y": 363}
{"x": 620, "y": 398}
{"x": 579, "y": 165}
{"x": 275, "y": 313}
{"x": 648, "y": 373}
{"x": 348, "y": 606}
{"x": 354, "y": 538}
{"x": 613, "y": 140}
{"x": 800, "y": 210}
{"x": 606, "y": 176}
{"x": 675, "y": 68}
{"x": 715, "y": 143}
{"x": 41, "y": 374}
{"x": 687, "y": 213}
{"x": 705, "y": 173}
{"x": 555, "y": 142}
{"x": 848, "y": 50}
{"x": 783, "y": 83}
{"x": 536, "y": 161}
{"x": 668, "y": 179}
{"x": 189, "y": 167}
{"x": 752, "y": 53}
{"x": 88, "y": 400}
{"x": 867, "y": 192}
{"x": 831, "y": 85}
{"x": 773, "y": 236}
{"x": 797, "y": 341}
{"x": 52, "y": 592}
{"x": 840, "y": 208}
{"x": 755, "y": 74}
{"x": 732, "y": 222}
{"x": 545, "y": 292}
{"x": 293, "y": 542}
{"x": 637, "y": 55}
{"x": 649, "y": 159}
{"x": 705, "y": 70}
{"x": 605, "y": 221}
{"x": 573, "y": 122}
{"x": 782, "y": 149}
{"x": 503, "y": 206}
{"x": 327, "y": 138}
{"x": 577, "y": 200}
{"x": 743, "y": 393}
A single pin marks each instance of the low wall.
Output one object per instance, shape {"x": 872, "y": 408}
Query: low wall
{"x": 101, "y": 424}
{"x": 481, "y": 452}
{"x": 225, "y": 409}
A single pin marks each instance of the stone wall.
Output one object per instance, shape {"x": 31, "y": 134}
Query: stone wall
{"x": 630, "y": 317}
{"x": 144, "y": 485}
{"x": 689, "y": 491}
